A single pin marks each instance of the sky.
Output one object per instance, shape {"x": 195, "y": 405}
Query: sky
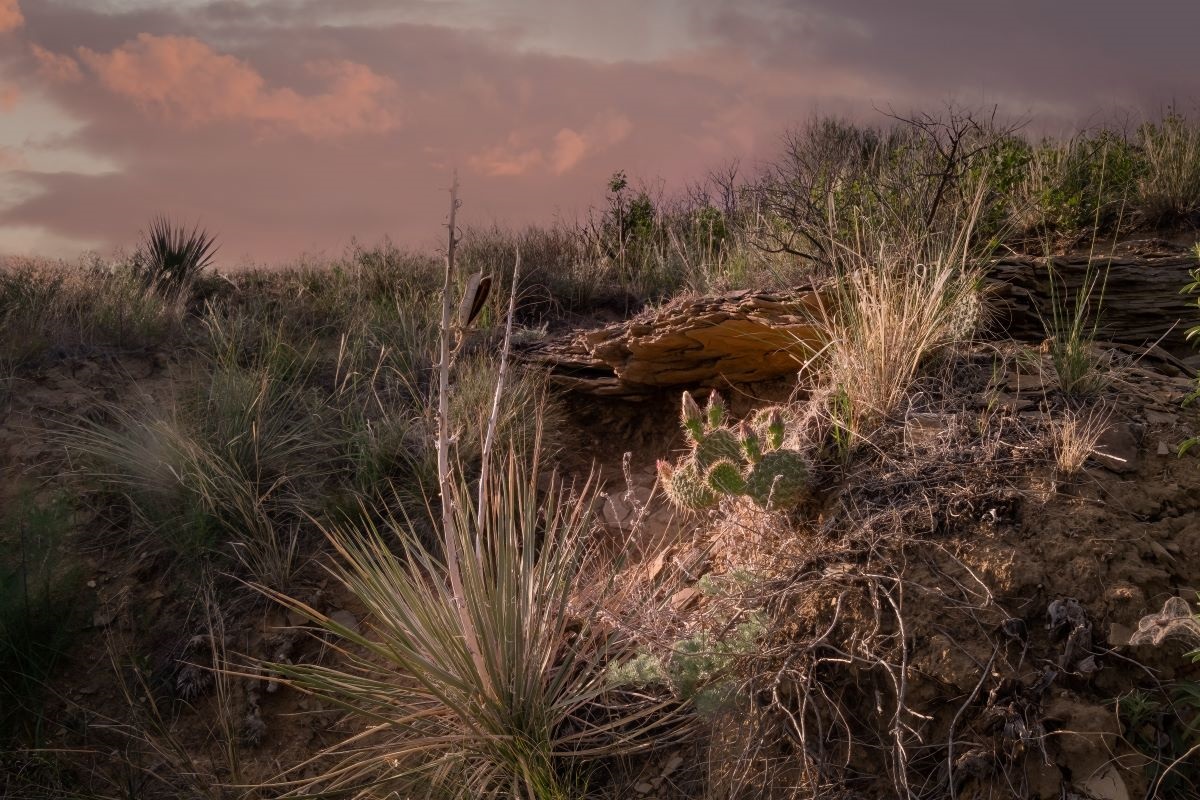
{"x": 290, "y": 126}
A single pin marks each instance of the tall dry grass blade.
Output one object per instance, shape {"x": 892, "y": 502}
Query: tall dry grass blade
{"x": 490, "y": 438}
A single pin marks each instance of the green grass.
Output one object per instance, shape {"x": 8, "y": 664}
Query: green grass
{"x": 39, "y": 598}
{"x": 47, "y": 311}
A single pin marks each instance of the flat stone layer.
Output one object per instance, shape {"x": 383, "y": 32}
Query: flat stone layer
{"x": 1136, "y": 297}
{"x": 738, "y": 337}
{"x": 748, "y": 336}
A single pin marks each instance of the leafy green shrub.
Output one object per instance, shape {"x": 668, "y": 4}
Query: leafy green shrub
{"x": 1098, "y": 183}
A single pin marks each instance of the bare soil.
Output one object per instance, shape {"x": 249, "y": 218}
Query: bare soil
{"x": 959, "y": 610}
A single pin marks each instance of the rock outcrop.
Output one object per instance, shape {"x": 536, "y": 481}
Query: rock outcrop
{"x": 1136, "y": 293}
{"x": 739, "y": 337}
{"x": 748, "y": 336}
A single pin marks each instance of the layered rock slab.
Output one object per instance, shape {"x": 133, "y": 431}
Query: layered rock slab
{"x": 739, "y": 337}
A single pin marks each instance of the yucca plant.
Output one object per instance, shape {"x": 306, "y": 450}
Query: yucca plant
{"x": 483, "y": 672}
{"x": 500, "y": 691}
{"x": 170, "y": 257}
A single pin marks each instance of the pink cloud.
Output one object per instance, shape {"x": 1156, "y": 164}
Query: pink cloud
{"x": 10, "y": 16}
{"x": 565, "y": 150}
{"x": 183, "y": 80}
{"x": 9, "y": 97}
{"x": 253, "y": 140}
{"x": 11, "y": 159}
{"x": 508, "y": 159}
{"x": 55, "y": 66}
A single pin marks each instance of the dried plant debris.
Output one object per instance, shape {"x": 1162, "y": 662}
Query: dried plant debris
{"x": 1174, "y": 621}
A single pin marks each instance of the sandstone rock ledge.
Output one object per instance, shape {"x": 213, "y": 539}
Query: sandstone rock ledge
{"x": 738, "y": 337}
{"x": 748, "y": 336}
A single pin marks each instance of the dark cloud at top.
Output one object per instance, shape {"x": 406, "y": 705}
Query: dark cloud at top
{"x": 292, "y": 126}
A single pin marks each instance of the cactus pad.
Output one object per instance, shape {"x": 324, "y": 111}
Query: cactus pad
{"x": 718, "y": 445}
{"x": 715, "y": 411}
{"x": 686, "y": 487}
{"x": 778, "y": 480}
{"x": 726, "y": 478}
{"x": 692, "y": 417}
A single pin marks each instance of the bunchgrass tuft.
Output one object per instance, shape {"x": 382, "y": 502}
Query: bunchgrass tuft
{"x": 882, "y": 324}
{"x": 1075, "y": 434}
{"x": 38, "y": 597}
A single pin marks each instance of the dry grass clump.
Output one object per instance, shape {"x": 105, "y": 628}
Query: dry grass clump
{"x": 883, "y": 324}
{"x": 51, "y": 310}
{"x": 1074, "y": 434}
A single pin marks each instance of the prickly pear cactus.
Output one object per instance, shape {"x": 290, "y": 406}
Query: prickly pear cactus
{"x": 719, "y": 445}
{"x": 686, "y": 487}
{"x": 747, "y": 461}
{"x": 725, "y": 477}
{"x": 778, "y": 480}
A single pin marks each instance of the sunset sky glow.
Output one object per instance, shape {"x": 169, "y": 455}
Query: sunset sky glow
{"x": 290, "y": 126}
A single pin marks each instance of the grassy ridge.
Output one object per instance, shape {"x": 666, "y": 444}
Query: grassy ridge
{"x": 299, "y": 433}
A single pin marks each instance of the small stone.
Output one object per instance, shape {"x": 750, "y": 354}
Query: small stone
{"x": 684, "y": 598}
{"x": 1117, "y": 449}
{"x": 345, "y": 619}
{"x": 655, "y": 567}
{"x": 1106, "y": 786}
{"x": 924, "y": 428}
{"x": 103, "y": 617}
{"x": 614, "y": 511}
{"x": 1164, "y": 449}
{"x": 1012, "y": 404}
{"x": 1023, "y": 382}
{"x": 673, "y": 763}
{"x": 643, "y": 788}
